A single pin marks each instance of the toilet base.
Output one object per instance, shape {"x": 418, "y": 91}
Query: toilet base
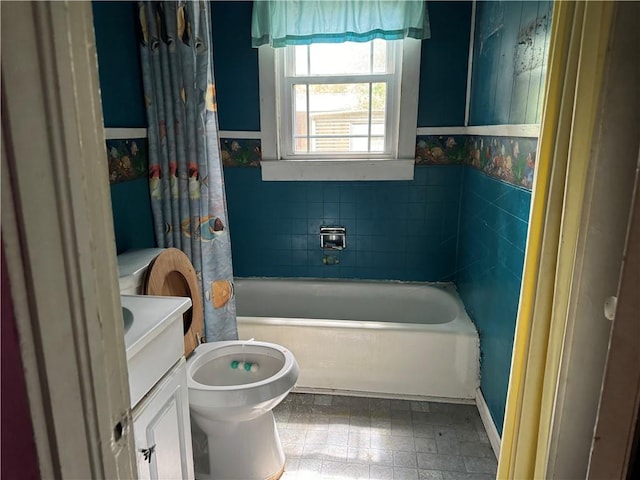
{"x": 249, "y": 450}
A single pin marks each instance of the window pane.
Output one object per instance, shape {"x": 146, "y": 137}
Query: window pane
{"x": 347, "y": 58}
{"x": 340, "y": 58}
{"x": 300, "y": 60}
{"x": 329, "y": 145}
{"x": 377, "y": 144}
{"x": 361, "y": 144}
{"x": 300, "y": 110}
{"x": 301, "y": 145}
{"x": 300, "y": 118}
{"x": 332, "y": 99}
{"x": 332, "y": 110}
{"x": 338, "y": 116}
{"x": 380, "y": 57}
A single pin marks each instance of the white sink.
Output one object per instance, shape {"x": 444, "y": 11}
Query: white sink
{"x": 154, "y": 338}
{"x": 127, "y": 318}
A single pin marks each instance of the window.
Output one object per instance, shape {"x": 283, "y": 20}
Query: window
{"x": 339, "y": 111}
{"x": 338, "y": 99}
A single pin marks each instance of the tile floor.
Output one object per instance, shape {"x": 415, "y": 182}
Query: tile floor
{"x": 335, "y": 437}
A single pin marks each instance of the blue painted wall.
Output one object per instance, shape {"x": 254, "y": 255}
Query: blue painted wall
{"x": 493, "y": 229}
{"x": 443, "y": 66}
{"x": 395, "y": 230}
{"x": 132, "y": 218}
{"x": 509, "y": 62}
{"x": 236, "y": 66}
{"x": 115, "y": 25}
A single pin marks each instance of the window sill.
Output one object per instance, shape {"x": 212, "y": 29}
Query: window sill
{"x": 361, "y": 169}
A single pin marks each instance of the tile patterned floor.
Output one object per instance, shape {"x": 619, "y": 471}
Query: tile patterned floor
{"x": 343, "y": 438}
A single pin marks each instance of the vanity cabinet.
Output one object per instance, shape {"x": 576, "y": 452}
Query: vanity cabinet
{"x": 158, "y": 388}
{"x": 162, "y": 429}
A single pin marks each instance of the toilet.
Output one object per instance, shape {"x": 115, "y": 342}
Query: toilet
{"x": 233, "y": 385}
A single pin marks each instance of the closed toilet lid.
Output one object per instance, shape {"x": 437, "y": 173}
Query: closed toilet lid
{"x": 171, "y": 274}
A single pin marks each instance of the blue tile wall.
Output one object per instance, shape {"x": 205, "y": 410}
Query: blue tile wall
{"x": 493, "y": 229}
{"x": 402, "y": 230}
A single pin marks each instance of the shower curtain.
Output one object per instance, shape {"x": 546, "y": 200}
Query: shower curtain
{"x": 185, "y": 171}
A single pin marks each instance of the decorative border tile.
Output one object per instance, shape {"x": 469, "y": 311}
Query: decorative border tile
{"x": 241, "y": 152}
{"x": 127, "y": 159}
{"x": 441, "y": 149}
{"x": 511, "y": 159}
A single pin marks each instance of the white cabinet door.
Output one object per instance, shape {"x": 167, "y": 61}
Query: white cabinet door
{"x": 162, "y": 429}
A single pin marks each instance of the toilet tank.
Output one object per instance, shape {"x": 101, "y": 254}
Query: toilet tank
{"x": 132, "y": 266}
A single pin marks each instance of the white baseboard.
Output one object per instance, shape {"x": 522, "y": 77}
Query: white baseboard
{"x": 391, "y": 396}
{"x": 487, "y": 421}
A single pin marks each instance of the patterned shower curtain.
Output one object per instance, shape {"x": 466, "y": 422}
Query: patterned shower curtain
{"x": 185, "y": 170}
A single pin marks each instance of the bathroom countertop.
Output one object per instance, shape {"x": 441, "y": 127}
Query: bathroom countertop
{"x": 154, "y": 339}
{"x": 151, "y": 316}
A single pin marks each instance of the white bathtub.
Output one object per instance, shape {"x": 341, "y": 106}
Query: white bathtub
{"x": 376, "y": 338}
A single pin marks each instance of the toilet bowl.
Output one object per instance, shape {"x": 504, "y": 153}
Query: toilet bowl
{"x": 233, "y": 406}
{"x": 233, "y": 385}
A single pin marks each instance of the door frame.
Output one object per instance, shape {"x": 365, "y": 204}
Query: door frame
{"x": 59, "y": 242}
{"x": 618, "y": 421}
{"x": 599, "y": 255}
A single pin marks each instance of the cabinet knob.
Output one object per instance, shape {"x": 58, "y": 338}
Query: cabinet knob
{"x": 147, "y": 452}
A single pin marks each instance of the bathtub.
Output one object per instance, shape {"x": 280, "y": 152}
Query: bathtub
{"x": 389, "y": 339}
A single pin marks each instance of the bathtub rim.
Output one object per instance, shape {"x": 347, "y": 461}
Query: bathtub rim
{"x": 461, "y": 324}
{"x": 357, "y": 280}
{"x": 448, "y": 287}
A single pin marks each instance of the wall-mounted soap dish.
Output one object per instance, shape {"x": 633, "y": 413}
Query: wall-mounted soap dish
{"x": 333, "y": 238}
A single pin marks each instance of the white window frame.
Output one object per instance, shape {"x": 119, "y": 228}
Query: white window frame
{"x": 284, "y": 83}
{"x": 398, "y": 166}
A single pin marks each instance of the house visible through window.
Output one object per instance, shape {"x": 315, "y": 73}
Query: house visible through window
{"x": 339, "y": 99}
